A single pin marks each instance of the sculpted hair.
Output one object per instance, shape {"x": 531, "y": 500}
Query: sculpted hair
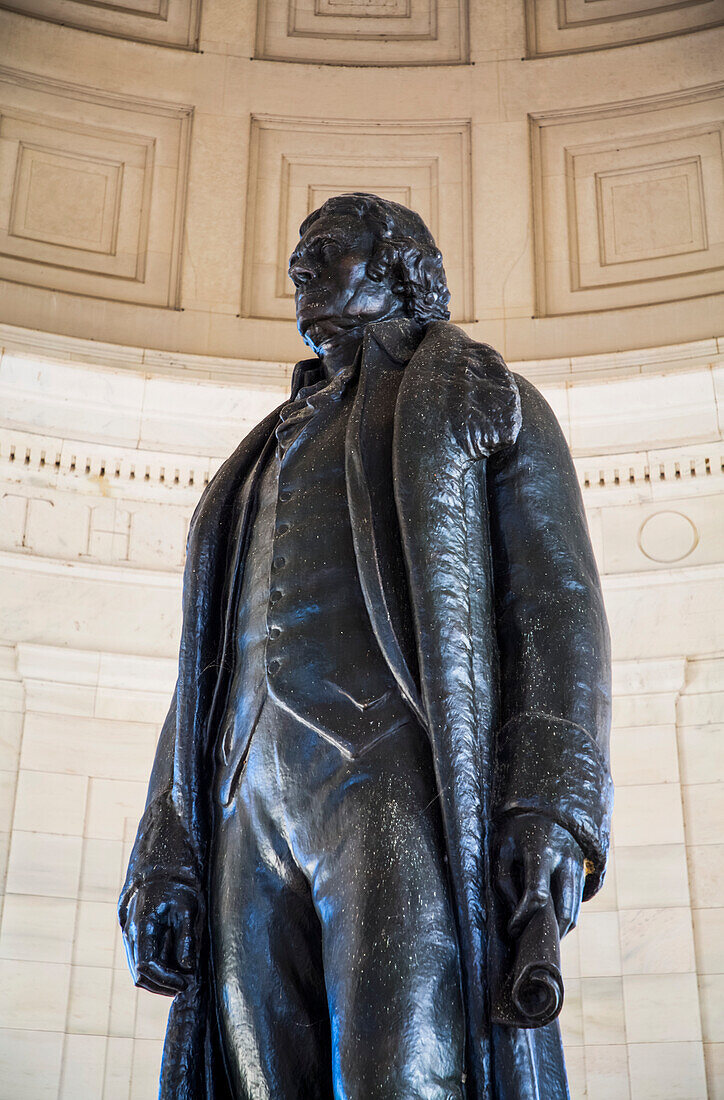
{"x": 405, "y": 248}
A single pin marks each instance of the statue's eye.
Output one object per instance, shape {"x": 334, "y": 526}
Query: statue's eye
{"x": 328, "y": 250}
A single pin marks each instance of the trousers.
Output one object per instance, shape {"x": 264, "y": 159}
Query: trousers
{"x": 335, "y": 954}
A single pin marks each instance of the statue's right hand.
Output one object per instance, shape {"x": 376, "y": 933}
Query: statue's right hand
{"x": 160, "y": 934}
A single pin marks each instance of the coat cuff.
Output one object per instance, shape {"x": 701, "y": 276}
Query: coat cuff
{"x": 554, "y": 767}
{"x": 162, "y": 851}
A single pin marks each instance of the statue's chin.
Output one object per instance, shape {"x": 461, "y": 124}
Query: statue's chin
{"x": 332, "y": 333}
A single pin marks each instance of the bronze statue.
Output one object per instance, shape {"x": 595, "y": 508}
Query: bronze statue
{"x": 382, "y": 788}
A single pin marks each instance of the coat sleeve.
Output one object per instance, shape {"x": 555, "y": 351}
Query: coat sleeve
{"x": 552, "y": 747}
{"x": 165, "y": 847}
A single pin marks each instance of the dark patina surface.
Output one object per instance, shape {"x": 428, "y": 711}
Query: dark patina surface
{"x": 382, "y": 788}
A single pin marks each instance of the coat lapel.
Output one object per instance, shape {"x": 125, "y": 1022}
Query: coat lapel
{"x": 378, "y": 550}
{"x": 457, "y": 403}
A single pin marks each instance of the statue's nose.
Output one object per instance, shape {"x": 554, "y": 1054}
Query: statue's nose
{"x": 301, "y": 273}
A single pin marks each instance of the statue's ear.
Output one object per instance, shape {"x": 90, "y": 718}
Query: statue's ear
{"x": 381, "y": 262}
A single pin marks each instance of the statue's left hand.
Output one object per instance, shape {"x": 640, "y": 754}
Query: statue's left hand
{"x": 160, "y": 936}
{"x": 536, "y": 858}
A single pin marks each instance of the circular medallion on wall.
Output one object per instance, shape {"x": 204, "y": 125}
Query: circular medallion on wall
{"x": 668, "y": 537}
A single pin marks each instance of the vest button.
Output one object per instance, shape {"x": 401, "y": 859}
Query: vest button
{"x": 274, "y": 632}
{"x": 285, "y": 495}
{"x": 282, "y": 528}
{"x": 279, "y": 563}
{"x": 275, "y": 595}
{"x": 273, "y": 667}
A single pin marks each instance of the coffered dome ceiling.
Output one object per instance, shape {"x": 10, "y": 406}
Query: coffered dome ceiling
{"x": 157, "y": 157}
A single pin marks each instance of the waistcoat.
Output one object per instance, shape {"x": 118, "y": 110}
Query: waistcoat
{"x": 303, "y": 632}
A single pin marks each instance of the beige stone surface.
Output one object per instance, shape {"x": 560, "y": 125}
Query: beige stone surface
{"x": 154, "y": 166}
{"x": 616, "y": 208}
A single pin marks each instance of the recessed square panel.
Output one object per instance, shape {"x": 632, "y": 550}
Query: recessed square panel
{"x": 364, "y": 32}
{"x": 425, "y": 166}
{"x": 635, "y": 217}
{"x": 573, "y": 26}
{"x": 163, "y": 22}
{"x": 70, "y": 201}
{"x": 651, "y": 212}
{"x": 92, "y": 191}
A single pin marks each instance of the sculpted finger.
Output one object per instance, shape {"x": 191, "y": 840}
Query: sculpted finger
{"x": 505, "y": 879}
{"x": 567, "y": 894}
{"x": 158, "y": 978}
{"x": 186, "y": 945}
{"x": 536, "y": 879}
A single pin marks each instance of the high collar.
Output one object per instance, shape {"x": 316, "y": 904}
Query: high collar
{"x": 399, "y": 337}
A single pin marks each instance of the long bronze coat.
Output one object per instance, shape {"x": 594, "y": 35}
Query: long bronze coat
{"x": 465, "y": 507}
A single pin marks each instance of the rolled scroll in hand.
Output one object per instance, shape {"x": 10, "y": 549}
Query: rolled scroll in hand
{"x": 531, "y": 993}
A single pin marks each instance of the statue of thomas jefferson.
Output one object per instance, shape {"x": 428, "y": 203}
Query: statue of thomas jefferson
{"x": 386, "y": 754}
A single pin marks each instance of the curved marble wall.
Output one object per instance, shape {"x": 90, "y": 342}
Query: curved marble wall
{"x": 156, "y": 157}
{"x": 101, "y": 465}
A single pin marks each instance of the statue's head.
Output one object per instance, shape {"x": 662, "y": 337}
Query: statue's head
{"x": 362, "y": 259}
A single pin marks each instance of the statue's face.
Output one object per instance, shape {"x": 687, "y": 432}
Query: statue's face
{"x": 335, "y": 297}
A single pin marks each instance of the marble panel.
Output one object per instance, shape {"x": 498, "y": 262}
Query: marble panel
{"x": 704, "y": 812}
{"x": 644, "y": 754}
{"x": 714, "y": 1061}
{"x": 37, "y": 929}
{"x": 648, "y": 815}
{"x": 661, "y": 1008}
{"x": 701, "y": 753}
{"x": 30, "y": 1063}
{"x": 124, "y": 1000}
{"x": 151, "y": 1016}
{"x": 706, "y": 870}
{"x": 11, "y": 729}
{"x": 603, "y": 1014}
{"x": 672, "y": 1069}
{"x": 102, "y": 870}
{"x": 632, "y": 217}
{"x": 97, "y": 747}
{"x": 50, "y": 800}
{"x": 84, "y": 1063}
{"x": 45, "y": 864}
{"x": 709, "y": 939}
{"x": 656, "y": 941}
{"x": 651, "y": 876}
{"x": 146, "y": 1068}
{"x": 89, "y": 1001}
{"x": 112, "y": 803}
{"x": 607, "y": 1072}
{"x": 119, "y": 1059}
{"x": 571, "y": 1018}
{"x": 8, "y": 780}
{"x": 711, "y": 999}
{"x": 96, "y": 934}
{"x": 663, "y": 409}
{"x": 35, "y": 994}
{"x": 96, "y": 202}
{"x": 600, "y": 945}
